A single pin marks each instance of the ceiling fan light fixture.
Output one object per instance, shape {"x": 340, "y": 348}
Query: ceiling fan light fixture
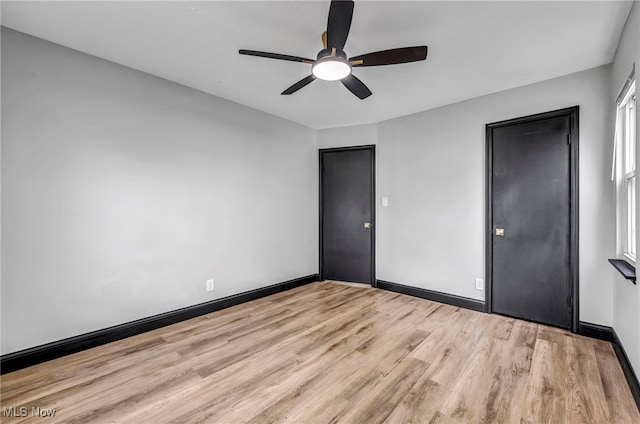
{"x": 331, "y": 68}
{"x": 333, "y": 64}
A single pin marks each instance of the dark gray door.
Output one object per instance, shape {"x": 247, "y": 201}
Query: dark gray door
{"x": 347, "y": 215}
{"x": 530, "y": 233}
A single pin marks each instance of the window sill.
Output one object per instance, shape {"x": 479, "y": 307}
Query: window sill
{"x": 627, "y": 270}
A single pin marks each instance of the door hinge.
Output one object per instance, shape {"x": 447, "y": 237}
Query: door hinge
{"x": 569, "y": 301}
{"x": 569, "y": 138}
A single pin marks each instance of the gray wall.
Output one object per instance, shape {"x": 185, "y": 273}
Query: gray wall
{"x": 122, "y": 193}
{"x": 626, "y": 296}
{"x": 431, "y": 166}
{"x": 356, "y": 135}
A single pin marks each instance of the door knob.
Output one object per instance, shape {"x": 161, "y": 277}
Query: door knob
{"x": 367, "y": 225}
{"x": 500, "y": 232}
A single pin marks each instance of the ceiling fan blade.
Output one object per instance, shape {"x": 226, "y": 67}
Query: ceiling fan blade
{"x": 275, "y": 56}
{"x": 339, "y": 23}
{"x": 356, "y": 86}
{"x": 297, "y": 86}
{"x": 391, "y": 57}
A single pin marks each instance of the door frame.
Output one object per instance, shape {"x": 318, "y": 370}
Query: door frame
{"x": 574, "y": 284}
{"x": 321, "y": 152}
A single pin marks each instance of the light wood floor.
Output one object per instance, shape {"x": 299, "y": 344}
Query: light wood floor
{"x": 330, "y": 352}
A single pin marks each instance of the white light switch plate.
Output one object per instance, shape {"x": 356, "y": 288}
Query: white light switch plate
{"x": 385, "y": 201}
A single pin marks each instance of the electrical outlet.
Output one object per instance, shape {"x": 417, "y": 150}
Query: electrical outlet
{"x": 479, "y": 284}
{"x": 210, "y": 286}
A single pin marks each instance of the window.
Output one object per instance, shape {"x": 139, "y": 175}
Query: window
{"x": 626, "y": 137}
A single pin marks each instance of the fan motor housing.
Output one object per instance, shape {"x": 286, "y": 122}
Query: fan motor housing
{"x": 329, "y": 52}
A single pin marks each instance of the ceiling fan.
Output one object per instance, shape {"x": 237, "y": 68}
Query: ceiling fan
{"x": 332, "y": 64}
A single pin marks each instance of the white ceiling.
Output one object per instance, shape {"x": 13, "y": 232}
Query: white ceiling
{"x": 475, "y": 48}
